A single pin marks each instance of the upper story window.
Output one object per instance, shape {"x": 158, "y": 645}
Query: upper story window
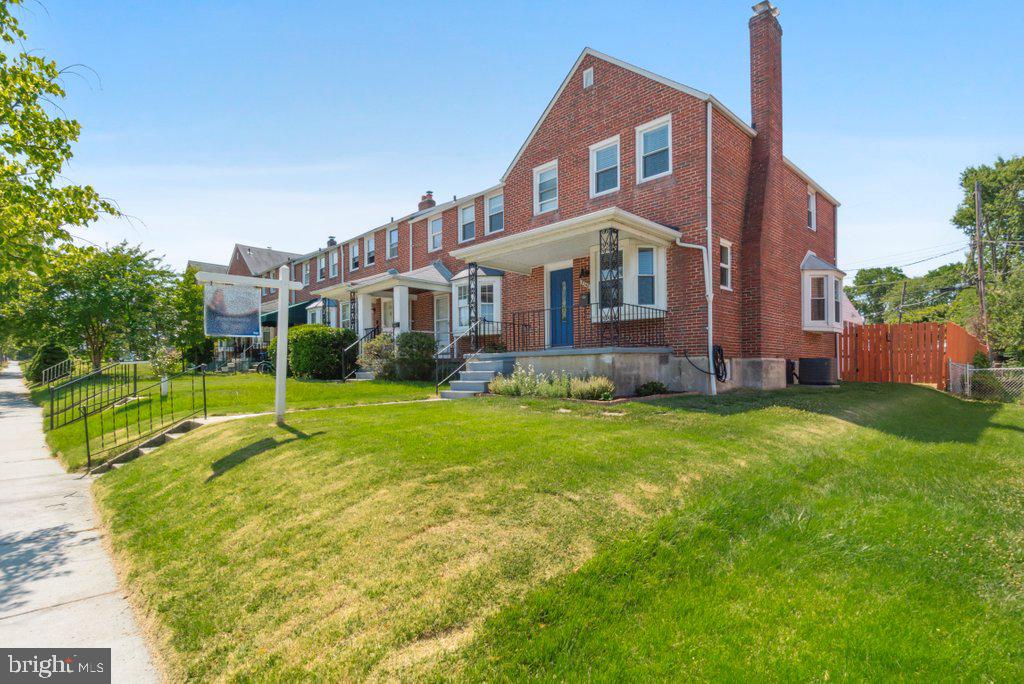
{"x": 334, "y": 264}
{"x": 435, "y": 230}
{"x": 654, "y": 149}
{"x": 604, "y": 167}
{"x": 321, "y": 267}
{"x": 371, "y": 250}
{"x": 812, "y": 209}
{"x": 545, "y": 188}
{"x": 725, "y": 265}
{"x": 467, "y": 223}
{"x": 353, "y": 256}
{"x": 588, "y": 77}
{"x": 305, "y": 273}
{"x": 495, "y": 214}
{"x": 392, "y": 243}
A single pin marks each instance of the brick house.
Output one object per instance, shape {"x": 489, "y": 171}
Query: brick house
{"x": 640, "y": 226}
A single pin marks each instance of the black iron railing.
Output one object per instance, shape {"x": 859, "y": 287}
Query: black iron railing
{"x": 348, "y": 366}
{"x": 96, "y": 388}
{"x": 584, "y": 327}
{"x": 114, "y": 428}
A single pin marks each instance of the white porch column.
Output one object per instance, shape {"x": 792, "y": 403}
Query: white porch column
{"x": 364, "y": 309}
{"x": 403, "y": 312}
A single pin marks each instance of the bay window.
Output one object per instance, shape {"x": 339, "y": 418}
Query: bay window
{"x": 822, "y": 292}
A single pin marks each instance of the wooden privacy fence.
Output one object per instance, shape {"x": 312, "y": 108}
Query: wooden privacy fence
{"x": 904, "y": 352}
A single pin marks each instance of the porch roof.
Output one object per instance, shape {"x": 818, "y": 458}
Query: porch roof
{"x": 562, "y": 240}
{"x": 433, "y": 277}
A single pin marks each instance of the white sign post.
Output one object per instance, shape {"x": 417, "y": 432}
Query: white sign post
{"x": 283, "y": 286}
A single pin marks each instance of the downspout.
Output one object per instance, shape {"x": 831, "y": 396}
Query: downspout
{"x": 706, "y": 251}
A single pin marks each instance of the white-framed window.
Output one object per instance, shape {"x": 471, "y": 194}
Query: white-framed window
{"x": 822, "y": 301}
{"x": 654, "y": 149}
{"x": 604, "y": 167}
{"x": 305, "y": 273}
{"x": 812, "y": 209}
{"x": 353, "y": 256}
{"x": 321, "y": 267}
{"x": 371, "y": 250}
{"x": 334, "y": 264}
{"x": 643, "y": 279}
{"x": 467, "y": 223}
{"x": 545, "y": 187}
{"x": 488, "y": 300}
{"x": 393, "y": 243}
{"x": 588, "y": 77}
{"x": 645, "y": 276}
{"x": 387, "y": 313}
{"x": 345, "y": 314}
{"x": 495, "y": 214}
{"x": 332, "y": 316}
{"x": 725, "y": 265}
{"x": 435, "y": 228}
{"x": 313, "y": 315}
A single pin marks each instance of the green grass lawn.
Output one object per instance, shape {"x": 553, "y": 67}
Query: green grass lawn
{"x": 225, "y": 394}
{"x": 868, "y": 532}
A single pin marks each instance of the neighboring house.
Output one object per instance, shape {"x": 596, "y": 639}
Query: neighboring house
{"x": 850, "y": 313}
{"x": 590, "y": 252}
{"x": 206, "y": 266}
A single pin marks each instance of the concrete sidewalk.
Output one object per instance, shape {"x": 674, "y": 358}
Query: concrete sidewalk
{"x": 57, "y": 583}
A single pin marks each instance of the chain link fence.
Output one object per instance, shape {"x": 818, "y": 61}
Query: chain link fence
{"x": 986, "y": 384}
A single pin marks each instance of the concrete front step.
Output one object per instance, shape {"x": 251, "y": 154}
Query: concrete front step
{"x": 477, "y": 375}
{"x": 468, "y": 386}
{"x": 457, "y": 394}
{"x": 492, "y": 365}
{"x": 148, "y": 446}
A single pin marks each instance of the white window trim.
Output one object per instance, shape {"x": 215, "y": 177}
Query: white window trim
{"x": 367, "y": 241}
{"x": 462, "y": 223}
{"x": 430, "y": 222}
{"x": 553, "y": 164}
{"x": 728, "y": 265}
{"x": 332, "y": 264}
{"x": 588, "y": 78}
{"x": 353, "y": 255}
{"x": 387, "y": 239}
{"x": 488, "y": 213}
{"x": 812, "y": 205}
{"x": 640, "y": 130}
{"x": 630, "y": 271}
{"x": 344, "y": 312}
{"x": 305, "y": 273}
{"x": 614, "y": 140}
{"x": 321, "y": 271}
{"x": 829, "y": 324}
{"x": 481, "y": 281}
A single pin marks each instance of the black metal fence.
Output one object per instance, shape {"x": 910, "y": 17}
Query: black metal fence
{"x": 90, "y": 390}
{"x": 583, "y": 327}
{"x": 113, "y": 428}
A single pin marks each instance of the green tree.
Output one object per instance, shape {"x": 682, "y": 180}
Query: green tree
{"x": 1002, "y": 208}
{"x": 186, "y": 331}
{"x": 928, "y": 297}
{"x": 870, "y": 289}
{"x": 37, "y": 205}
{"x": 107, "y": 301}
{"x": 1006, "y": 316}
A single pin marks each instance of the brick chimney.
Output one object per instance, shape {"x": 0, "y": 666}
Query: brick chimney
{"x": 427, "y": 201}
{"x": 764, "y": 231}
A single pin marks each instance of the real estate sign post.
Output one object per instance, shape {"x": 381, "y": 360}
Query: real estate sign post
{"x": 230, "y": 311}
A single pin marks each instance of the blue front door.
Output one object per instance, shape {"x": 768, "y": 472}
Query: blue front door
{"x": 561, "y": 307}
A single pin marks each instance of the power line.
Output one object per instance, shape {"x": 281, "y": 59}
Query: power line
{"x": 912, "y": 263}
{"x": 908, "y": 253}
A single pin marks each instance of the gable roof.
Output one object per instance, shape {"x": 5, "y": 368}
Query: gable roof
{"x": 693, "y": 92}
{"x": 261, "y": 259}
{"x": 813, "y": 262}
{"x": 206, "y": 266}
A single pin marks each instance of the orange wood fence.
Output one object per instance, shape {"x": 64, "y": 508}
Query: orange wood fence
{"x": 904, "y": 352}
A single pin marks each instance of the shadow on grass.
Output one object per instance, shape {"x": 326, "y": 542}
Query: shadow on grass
{"x": 243, "y": 454}
{"x": 912, "y": 412}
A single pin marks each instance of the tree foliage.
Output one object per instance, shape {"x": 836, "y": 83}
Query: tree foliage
{"x": 107, "y": 301}
{"x": 870, "y": 289}
{"x": 185, "y": 325}
{"x": 37, "y": 205}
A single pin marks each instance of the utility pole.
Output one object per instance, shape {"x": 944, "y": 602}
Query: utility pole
{"x": 978, "y": 222}
{"x": 903, "y": 298}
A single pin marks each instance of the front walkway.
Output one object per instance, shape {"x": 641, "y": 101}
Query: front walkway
{"x": 57, "y": 583}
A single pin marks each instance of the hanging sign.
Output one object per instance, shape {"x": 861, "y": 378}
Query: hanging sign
{"x": 231, "y": 311}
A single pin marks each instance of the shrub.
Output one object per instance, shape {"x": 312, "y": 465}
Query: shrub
{"x": 414, "y": 356}
{"x": 980, "y": 360}
{"x": 378, "y": 356}
{"x": 316, "y": 351}
{"x": 166, "y": 362}
{"x": 651, "y": 387}
{"x": 48, "y": 354}
{"x": 595, "y": 387}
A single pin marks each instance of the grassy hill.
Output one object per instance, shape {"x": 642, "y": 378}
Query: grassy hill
{"x": 862, "y": 532}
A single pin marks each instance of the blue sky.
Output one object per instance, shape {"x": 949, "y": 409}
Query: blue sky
{"x": 279, "y": 124}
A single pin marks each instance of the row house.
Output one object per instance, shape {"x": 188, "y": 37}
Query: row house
{"x": 642, "y": 231}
